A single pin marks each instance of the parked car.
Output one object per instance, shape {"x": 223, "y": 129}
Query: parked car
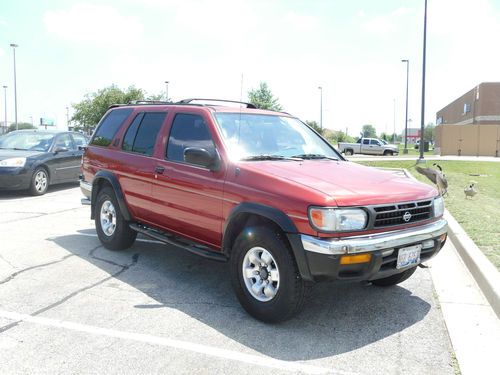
{"x": 32, "y": 159}
{"x": 369, "y": 146}
{"x": 260, "y": 190}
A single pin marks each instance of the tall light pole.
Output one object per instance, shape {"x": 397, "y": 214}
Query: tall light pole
{"x": 422, "y": 114}
{"x": 166, "y": 90}
{"x": 320, "y": 107}
{"x": 67, "y": 117}
{"x": 5, "y": 105}
{"x": 13, "y": 45}
{"x": 405, "y": 150}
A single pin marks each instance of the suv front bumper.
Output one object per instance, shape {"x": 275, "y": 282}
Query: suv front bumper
{"x": 323, "y": 255}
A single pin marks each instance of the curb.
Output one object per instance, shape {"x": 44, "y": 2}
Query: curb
{"x": 483, "y": 271}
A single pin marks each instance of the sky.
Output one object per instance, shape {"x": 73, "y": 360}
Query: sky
{"x": 224, "y": 48}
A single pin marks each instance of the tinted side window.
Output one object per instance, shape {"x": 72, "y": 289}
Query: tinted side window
{"x": 109, "y": 126}
{"x": 79, "y": 140}
{"x": 128, "y": 140}
{"x": 366, "y": 141}
{"x": 64, "y": 141}
{"x": 374, "y": 142}
{"x": 188, "y": 131}
{"x": 148, "y": 130}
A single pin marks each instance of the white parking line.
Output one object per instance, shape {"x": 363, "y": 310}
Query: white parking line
{"x": 172, "y": 343}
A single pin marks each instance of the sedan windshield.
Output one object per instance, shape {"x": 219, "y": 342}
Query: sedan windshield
{"x": 26, "y": 141}
{"x": 268, "y": 137}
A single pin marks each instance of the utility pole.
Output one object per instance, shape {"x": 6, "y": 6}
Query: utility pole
{"x": 13, "y": 45}
{"x": 67, "y": 117}
{"x": 394, "y": 121}
{"x": 422, "y": 114}
{"x": 5, "y": 105}
{"x": 321, "y": 108}
{"x": 166, "y": 90}
{"x": 405, "y": 150}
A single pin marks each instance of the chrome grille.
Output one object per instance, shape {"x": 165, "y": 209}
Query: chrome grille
{"x": 402, "y": 213}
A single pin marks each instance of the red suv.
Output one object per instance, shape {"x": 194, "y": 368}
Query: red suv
{"x": 261, "y": 190}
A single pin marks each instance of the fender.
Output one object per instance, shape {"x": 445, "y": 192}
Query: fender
{"x": 113, "y": 181}
{"x": 278, "y": 217}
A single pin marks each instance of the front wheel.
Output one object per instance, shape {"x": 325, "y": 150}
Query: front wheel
{"x": 112, "y": 228}
{"x": 388, "y": 153}
{"x": 395, "y": 279}
{"x": 265, "y": 276}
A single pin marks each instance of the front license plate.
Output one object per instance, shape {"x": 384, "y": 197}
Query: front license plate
{"x": 408, "y": 256}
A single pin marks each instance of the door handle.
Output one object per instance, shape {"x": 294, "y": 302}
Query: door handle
{"x": 159, "y": 170}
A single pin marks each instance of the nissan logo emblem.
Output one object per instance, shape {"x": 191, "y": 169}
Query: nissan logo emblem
{"x": 407, "y": 216}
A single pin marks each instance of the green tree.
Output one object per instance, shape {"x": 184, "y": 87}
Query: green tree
{"x": 315, "y": 126}
{"x": 430, "y": 132}
{"x": 369, "y": 131}
{"x": 263, "y": 98}
{"x": 90, "y": 110}
{"x": 20, "y": 126}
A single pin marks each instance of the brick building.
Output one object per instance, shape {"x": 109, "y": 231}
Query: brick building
{"x": 470, "y": 125}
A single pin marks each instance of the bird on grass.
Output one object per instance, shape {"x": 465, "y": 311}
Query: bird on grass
{"x": 470, "y": 191}
{"x": 436, "y": 176}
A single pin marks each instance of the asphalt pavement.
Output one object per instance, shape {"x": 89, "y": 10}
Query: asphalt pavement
{"x": 67, "y": 305}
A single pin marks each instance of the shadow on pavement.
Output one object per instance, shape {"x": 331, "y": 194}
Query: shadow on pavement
{"x": 16, "y": 194}
{"x": 336, "y": 318}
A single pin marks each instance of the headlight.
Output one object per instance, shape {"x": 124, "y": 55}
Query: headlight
{"x": 438, "y": 206}
{"x": 337, "y": 219}
{"x": 13, "y": 162}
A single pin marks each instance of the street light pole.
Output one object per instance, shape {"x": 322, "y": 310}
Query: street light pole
{"x": 13, "y": 45}
{"x": 422, "y": 114}
{"x": 321, "y": 107}
{"x": 67, "y": 117}
{"x": 5, "y": 105}
{"x": 405, "y": 150}
{"x": 166, "y": 90}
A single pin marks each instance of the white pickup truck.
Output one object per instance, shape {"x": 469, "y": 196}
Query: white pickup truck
{"x": 369, "y": 146}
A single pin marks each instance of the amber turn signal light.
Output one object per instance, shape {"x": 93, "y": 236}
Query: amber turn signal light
{"x": 355, "y": 259}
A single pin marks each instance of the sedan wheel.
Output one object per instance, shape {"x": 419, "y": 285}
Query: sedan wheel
{"x": 39, "y": 182}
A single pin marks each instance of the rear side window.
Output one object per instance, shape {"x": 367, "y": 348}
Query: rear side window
{"x": 141, "y": 134}
{"x": 79, "y": 140}
{"x": 109, "y": 126}
{"x": 366, "y": 141}
{"x": 188, "y": 131}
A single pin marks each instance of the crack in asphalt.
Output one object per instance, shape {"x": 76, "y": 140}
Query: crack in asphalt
{"x": 13, "y": 275}
{"x": 6, "y": 261}
{"x": 124, "y": 268}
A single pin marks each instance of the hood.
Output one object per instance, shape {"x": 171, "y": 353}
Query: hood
{"x": 349, "y": 184}
{"x": 9, "y": 153}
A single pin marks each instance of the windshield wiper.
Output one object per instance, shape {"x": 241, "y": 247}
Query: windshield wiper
{"x": 270, "y": 157}
{"x": 314, "y": 156}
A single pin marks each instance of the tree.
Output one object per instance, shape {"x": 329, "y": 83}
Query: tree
{"x": 430, "y": 132}
{"x": 263, "y": 98}
{"x": 20, "y": 126}
{"x": 315, "y": 126}
{"x": 369, "y": 131}
{"x": 90, "y": 110}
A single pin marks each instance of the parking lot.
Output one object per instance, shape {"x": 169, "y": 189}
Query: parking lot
{"x": 67, "y": 305}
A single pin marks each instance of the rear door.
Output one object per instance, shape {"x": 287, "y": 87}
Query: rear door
{"x": 187, "y": 198}
{"x": 365, "y": 146}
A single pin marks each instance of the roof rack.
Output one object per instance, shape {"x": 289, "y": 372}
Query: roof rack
{"x": 136, "y": 102}
{"x": 188, "y": 101}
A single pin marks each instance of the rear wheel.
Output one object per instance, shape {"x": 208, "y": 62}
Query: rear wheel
{"x": 112, "y": 228}
{"x": 395, "y": 279}
{"x": 265, "y": 277}
{"x": 39, "y": 182}
{"x": 348, "y": 152}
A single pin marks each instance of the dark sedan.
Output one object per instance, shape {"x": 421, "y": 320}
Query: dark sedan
{"x": 34, "y": 159}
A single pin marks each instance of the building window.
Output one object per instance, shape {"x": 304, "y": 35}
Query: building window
{"x": 439, "y": 120}
{"x": 466, "y": 108}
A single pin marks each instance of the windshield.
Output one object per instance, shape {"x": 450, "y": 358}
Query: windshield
{"x": 26, "y": 141}
{"x": 250, "y": 136}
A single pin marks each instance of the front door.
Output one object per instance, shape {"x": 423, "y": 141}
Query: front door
{"x": 188, "y": 197}
{"x": 66, "y": 160}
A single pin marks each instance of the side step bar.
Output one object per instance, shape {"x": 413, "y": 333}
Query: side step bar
{"x": 182, "y": 243}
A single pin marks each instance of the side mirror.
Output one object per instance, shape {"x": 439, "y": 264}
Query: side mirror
{"x": 60, "y": 149}
{"x": 200, "y": 156}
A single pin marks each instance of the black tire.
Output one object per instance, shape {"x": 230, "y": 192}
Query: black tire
{"x": 291, "y": 292}
{"x": 348, "y": 152}
{"x": 39, "y": 181}
{"x": 395, "y": 279}
{"x": 117, "y": 236}
{"x": 388, "y": 153}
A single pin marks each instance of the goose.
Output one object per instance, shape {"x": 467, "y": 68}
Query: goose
{"x": 436, "y": 176}
{"x": 470, "y": 191}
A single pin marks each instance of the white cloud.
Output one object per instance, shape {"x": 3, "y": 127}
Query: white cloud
{"x": 85, "y": 22}
{"x": 385, "y": 23}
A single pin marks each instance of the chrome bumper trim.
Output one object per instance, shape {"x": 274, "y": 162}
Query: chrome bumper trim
{"x": 378, "y": 241}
